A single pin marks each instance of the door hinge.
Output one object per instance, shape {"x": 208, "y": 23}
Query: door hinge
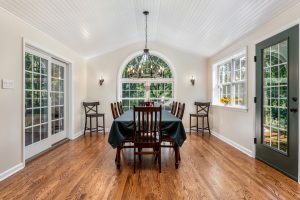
{"x": 254, "y": 140}
{"x": 254, "y": 58}
{"x": 254, "y": 100}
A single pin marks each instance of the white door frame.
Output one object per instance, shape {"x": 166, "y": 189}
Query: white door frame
{"x": 69, "y": 92}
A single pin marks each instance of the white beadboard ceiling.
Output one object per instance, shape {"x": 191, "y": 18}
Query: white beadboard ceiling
{"x": 93, "y": 27}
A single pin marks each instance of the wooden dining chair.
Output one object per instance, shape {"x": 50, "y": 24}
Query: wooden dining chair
{"x": 120, "y": 107}
{"x": 172, "y": 144}
{"x": 180, "y": 111}
{"x": 127, "y": 142}
{"x": 174, "y": 108}
{"x": 91, "y": 111}
{"x": 114, "y": 110}
{"x": 202, "y": 111}
{"x": 147, "y": 132}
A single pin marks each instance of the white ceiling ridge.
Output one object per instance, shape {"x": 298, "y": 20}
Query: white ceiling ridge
{"x": 152, "y": 45}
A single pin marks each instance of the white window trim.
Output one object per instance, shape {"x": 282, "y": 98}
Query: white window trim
{"x": 215, "y": 79}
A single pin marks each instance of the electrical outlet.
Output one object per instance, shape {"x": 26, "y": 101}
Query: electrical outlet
{"x": 8, "y": 84}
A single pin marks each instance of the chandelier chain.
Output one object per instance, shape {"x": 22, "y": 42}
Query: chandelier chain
{"x": 146, "y": 32}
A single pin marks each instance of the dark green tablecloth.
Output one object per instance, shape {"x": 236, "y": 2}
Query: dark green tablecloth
{"x": 123, "y": 126}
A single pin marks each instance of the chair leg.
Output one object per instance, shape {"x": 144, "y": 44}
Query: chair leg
{"x": 85, "y": 125}
{"x": 202, "y": 125}
{"x": 208, "y": 126}
{"x": 140, "y": 156}
{"x": 103, "y": 124}
{"x": 179, "y": 157}
{"x": 190, "y": 124}
{"x": 90, "y": 126}
{"x": 159, "y": 159}
{"x": 118, "y": 157}
{"x": 176, "y": 156}
{"x": 197, "y": 125}
{"x": 134, "y": 159}
{"x": 97, "y": 124}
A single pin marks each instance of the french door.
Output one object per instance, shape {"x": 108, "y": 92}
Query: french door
{"x": 277, "y": 86}
{"x": 45, "y": 109}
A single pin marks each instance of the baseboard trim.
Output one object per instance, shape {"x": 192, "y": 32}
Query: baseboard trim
{"x": 11, "y": 171}
{"x": 243, "y": 149}
{"x": 76, "y": 135}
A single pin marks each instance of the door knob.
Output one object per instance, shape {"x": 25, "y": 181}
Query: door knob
{"x": 293, "y": 109}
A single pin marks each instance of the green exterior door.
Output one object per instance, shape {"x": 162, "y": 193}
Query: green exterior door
{"x": 277, "y": 86}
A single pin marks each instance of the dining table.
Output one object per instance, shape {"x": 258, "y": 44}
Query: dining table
{"x": 122, "y": 127}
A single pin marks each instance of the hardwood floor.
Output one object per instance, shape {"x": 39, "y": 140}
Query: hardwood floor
{"x": 210, "y": 169}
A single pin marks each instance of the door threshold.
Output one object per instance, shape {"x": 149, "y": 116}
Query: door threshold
{"x": 53, "y": 146}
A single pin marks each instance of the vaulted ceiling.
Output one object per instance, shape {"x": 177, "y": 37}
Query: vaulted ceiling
{"x": 92, "y": 27}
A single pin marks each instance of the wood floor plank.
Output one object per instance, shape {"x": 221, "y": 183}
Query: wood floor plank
{"x": 85, "y": 169}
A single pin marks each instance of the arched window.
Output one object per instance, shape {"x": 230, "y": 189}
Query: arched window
{"x": 146, "y": 87}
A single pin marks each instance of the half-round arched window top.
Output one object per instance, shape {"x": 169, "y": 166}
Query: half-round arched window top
{"x": 158, "y": 64}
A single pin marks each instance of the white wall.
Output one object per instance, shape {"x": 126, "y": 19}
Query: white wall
{"x": 235, "y": 125}
{"x": 185, "y": 65}
{"x": 12, "y": 31}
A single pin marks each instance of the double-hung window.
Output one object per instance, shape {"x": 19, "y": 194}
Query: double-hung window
{"x": 230, "y": 81}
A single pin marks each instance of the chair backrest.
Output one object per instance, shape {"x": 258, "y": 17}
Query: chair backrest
{"x": 147, "y": 104}
{"x": 180, "y": 112}
{"x": 202, "y": 107}
{"x": 147, "y": 124}
{"x": 120, "y": 107}
{"x": 174, "y": 107}
{"x": 91, "y": 107}
{"x": 114, "y": 110}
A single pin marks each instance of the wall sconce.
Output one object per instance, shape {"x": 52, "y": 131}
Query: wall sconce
{"x": 193, "y": 80}
{"x": 101, "y": 80}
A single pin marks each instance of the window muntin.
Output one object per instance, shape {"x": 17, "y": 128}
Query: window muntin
{"x": 132, "y": 94}
{"x": 161, "y": 92}
{"x": 275, "y": 96}
{"x": 230, "y": 82}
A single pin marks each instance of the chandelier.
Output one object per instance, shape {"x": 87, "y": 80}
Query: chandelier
{"x": 147, "y": 68}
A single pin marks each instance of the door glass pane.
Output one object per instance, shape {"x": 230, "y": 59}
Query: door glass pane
{"x": 28, "y": 136}
{"x": 57, "y": 98}
{"x": 36, "y": 133}
{"x": 36, "y": 98}
{"x": 275, "y": 96}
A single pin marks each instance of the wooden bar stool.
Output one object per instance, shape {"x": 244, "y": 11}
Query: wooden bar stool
{"x": 202, "y": 112}
{"x": 91, "y": 111}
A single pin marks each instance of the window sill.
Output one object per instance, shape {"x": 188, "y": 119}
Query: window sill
{"x": 234, "y": 108}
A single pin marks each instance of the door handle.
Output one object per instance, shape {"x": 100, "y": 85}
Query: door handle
{"x": 294, "y": 99}
{"x": 294, "y": 110}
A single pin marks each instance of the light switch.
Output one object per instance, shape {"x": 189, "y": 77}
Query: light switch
{"x": 8, "y": 84}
